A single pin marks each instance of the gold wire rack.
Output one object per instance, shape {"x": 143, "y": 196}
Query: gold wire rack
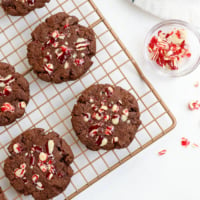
{"x": 50, "y": 105}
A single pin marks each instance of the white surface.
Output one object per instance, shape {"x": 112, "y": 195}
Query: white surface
{"x": 176, "y": 9}
{"x": 175, "y": 175}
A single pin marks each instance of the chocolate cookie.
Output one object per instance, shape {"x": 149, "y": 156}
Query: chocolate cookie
{"x": 14, "y": 94}
{"x": 61, "y": 49}
{"x": 22, "y": 7}
{"x": 2, "y": 197}
{"x": 106, "y": 117}
{"x": 39, "y": 164}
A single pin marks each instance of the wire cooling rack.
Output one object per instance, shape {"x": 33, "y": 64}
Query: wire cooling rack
{"x": 50, "y": 105}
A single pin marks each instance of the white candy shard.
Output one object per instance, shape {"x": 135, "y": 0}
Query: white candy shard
{"x": 50, "y": 146}
{"x": 104, "y": 142}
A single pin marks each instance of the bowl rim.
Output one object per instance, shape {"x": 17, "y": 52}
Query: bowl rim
{"x": 185, "y": 24}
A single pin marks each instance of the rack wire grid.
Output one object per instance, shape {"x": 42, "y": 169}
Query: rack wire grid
{"x": 50, "y": 105}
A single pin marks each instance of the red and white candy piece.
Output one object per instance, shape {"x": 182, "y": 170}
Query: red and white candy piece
{"x": 62, "y": 36}
{"x": 94, "y": 107}
{"x": 162, "y": 152}
{"x": 98, "y": 116}
{"x": 106, "y": 118}
{"x": 20, "y": 172}
{"x": 51, "y": 169}
{"x": 7, "y": 80}
{"x": 49, "y": 68}
{"x": 115, "y": 139}
{"x": 115, "y": 108}
{"x": 39, "y": 186}
{"x": 49, "y": 176}
{"x": 125, "y": 114}
{"x": 81, "y": 44}
{"x": 194, "y": 105}
{"x": 7, "y": 90}
{"x": 86, "y": 117}
{"x": 78, "y": 61}
{"x": 22, "y": 105}
{"x": 55, "y": 34}
{"x": 115, "y": 119}
{"x": 93, "y": 132}
{"x": 101, "y": 141}
{"x": 32, "y": 160}
{"x": 104, "y": 107}
{"x": 35, "y": 178}
{"x": 55, "y": 44}
{"x": 7, "y": 107}
{"x": 42, "y": 167}
{"x": 43, "y": 157}
{"x": 109, "y": 130}
{"x": 17, "y": 148}
{"x": 109, "y": 91}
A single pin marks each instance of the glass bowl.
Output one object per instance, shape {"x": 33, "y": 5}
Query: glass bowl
{"x": 193, "y": 42}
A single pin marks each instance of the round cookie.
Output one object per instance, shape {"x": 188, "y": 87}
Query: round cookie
{"x": 14, "y": 94}
{"x": 22, "y": 7}
{"x": 106, "y": 117}
{"x": 61, "y": 49}
{"x": 39, "y": 164}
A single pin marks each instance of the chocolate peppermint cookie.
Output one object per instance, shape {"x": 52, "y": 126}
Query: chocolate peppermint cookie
{"x": 22, "y": 7}
{"x": 2, "y": 196}
{"x": 14, "y": 94}
{"x": 106, "y": 117}
{"x": 39, "y": 164}
{"x": 61, "y": 49}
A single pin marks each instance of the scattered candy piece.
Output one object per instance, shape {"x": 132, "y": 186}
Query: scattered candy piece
{"x": 162, "y": 152}
{"x": 194, "y": 105}
{"x": 185, "y": 142}
{"x": 196, "y": 84}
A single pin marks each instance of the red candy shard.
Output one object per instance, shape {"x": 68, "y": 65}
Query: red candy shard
{"x": 32, "y": 160}
{"x": 162, "y": 152}
{"x": 7, "y": 107}
{"x": 185, "y": 142}
{"x": 7, "y": 90}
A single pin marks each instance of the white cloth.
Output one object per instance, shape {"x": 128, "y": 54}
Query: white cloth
{"x": 187, "y": 10}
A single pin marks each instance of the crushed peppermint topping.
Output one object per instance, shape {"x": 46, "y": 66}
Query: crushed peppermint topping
{"x": 45, "y": 163}
{"x": 194, "y": 105}
{"x": 108, "y": 111}
{"x": 7, "y": 107}
{"x": 20, "y": 172}
{"x": 168, "y": 49}
{"x": 17, "y": 148}
{"x": 162, "y": 152}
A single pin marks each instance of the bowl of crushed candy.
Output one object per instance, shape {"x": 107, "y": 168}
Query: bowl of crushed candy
{"x": 172, "y": 47}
